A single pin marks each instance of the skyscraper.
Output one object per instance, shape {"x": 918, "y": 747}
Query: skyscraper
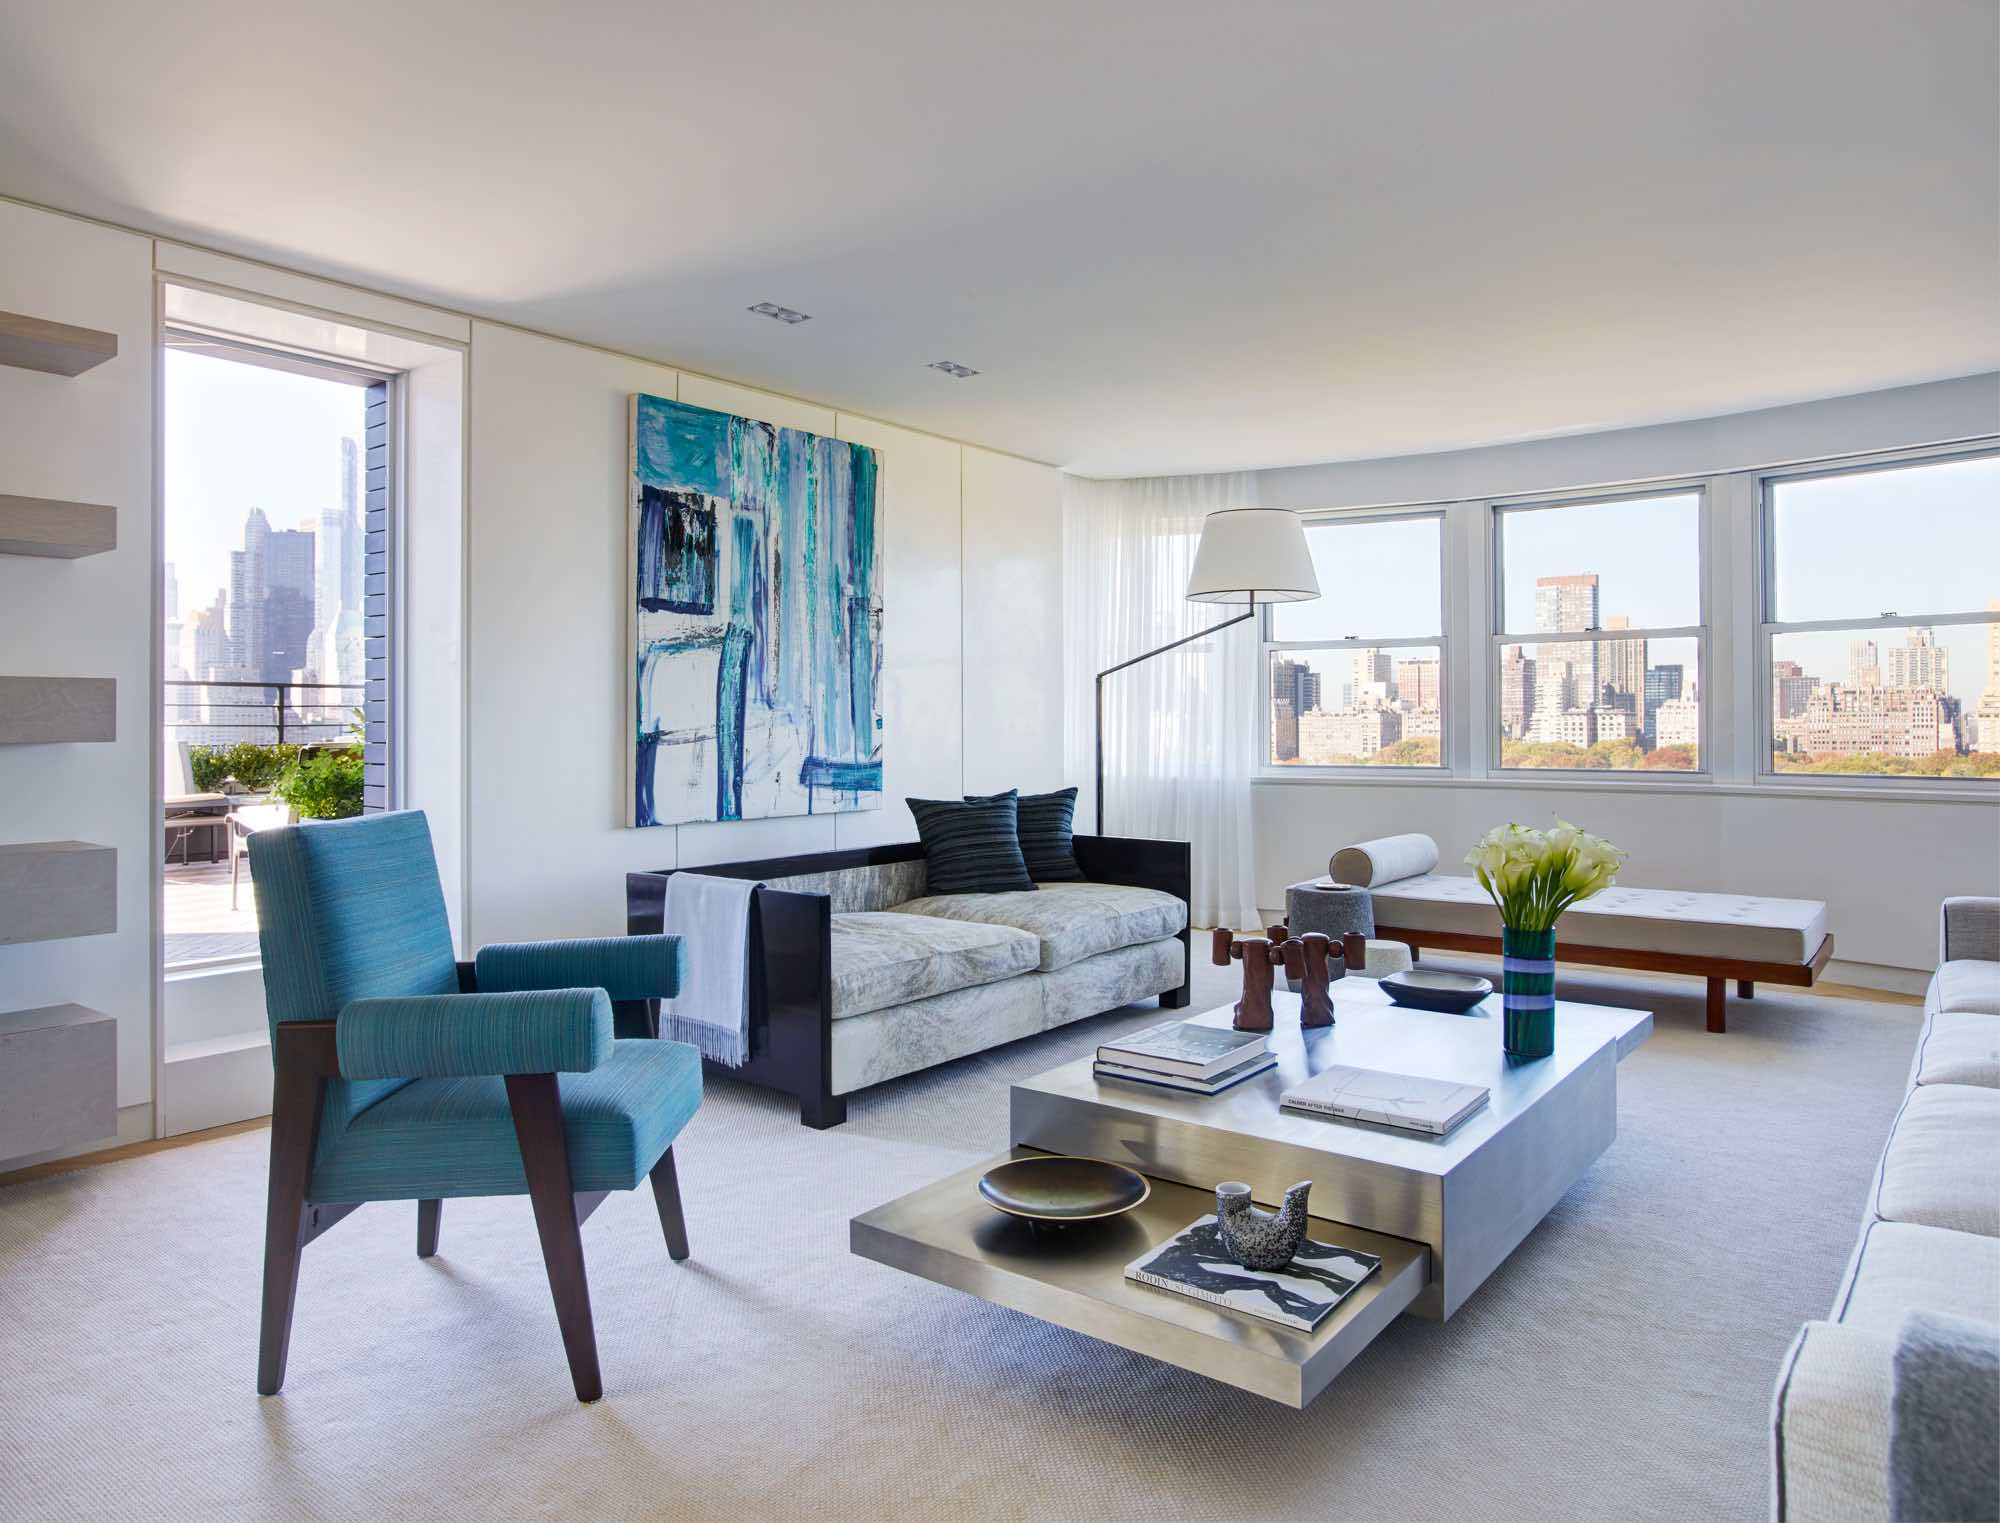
{"x": 1622, "y": 669}
{"x": 1417, "y": 683}
{"x": 1864, "y": 664}
{"x": 1791, "y": 687}
{"x": 270, "y": 601}
{"x": 1986, "y": 719}
{"x": 1517, "y": 692}
{"x": 1566, "y": 672}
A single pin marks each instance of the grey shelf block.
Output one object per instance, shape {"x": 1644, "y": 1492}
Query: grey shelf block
{"x": 58, "y": 1078}
{"x": 44, "y": 711}
{"x": 35, "y": 343}
{"x": 53, "y": 889}
{"x": 48, "y": 526}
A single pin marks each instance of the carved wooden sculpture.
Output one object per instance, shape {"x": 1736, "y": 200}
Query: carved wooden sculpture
{"x": 1308, "y": 959}
{"x": 1260, "y": 957}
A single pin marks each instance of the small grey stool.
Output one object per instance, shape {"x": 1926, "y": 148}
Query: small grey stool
{"x": 1335, "y": 910}
{"x": 1318, "y": 905}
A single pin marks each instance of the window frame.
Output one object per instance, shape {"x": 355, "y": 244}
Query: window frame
{"x": 1768, "y": 627}
{"x": 1269, "y": 646}
{"x": 1702, "y": 633}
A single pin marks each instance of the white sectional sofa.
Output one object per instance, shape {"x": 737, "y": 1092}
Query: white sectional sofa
{"x": 1930, "y": 1242}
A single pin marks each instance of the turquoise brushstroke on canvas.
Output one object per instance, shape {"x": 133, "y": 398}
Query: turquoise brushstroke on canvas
{"x": 757, "y": 616}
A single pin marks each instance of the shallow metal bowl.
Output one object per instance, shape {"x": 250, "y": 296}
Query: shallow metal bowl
{"x": 1062, "y": 1189}
{"x": 1430, "y": 989}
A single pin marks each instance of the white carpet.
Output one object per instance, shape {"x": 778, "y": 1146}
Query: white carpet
{"x": 1619, "y": 1365}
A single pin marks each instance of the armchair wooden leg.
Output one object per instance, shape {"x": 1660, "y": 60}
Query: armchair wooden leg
{"x": 667, "y": 1196}
{"x": 429, "y": 1213}
{"x": 537, "y": 1107}
{"x": 294, "y": 1137}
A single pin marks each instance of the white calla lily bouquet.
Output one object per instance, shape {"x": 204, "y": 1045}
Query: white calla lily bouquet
{"x": 1534, "y": 875}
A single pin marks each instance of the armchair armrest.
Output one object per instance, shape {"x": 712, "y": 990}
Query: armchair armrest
{"x": 1969, "y": 928}
{"x": 624, "y": 967}
{"x": 437, "y": 1036}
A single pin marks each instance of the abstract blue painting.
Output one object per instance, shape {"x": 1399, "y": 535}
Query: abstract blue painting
{"x": 756, "y": 565}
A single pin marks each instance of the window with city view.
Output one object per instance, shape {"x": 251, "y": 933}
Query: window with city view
{"x": 1357, "y": 680}
{"x": 265, "y": 600}
{"x": 1598, "y": 658}
{"x": 1882, "y": 617}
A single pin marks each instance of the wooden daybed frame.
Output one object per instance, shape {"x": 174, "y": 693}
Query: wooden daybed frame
{"x": 1718, "y": 971}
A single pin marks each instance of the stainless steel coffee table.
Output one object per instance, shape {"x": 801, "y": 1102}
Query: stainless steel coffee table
{"x": 1442, "y": 1213}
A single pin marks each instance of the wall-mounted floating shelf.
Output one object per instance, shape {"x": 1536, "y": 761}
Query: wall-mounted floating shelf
{"x": 58, "y": 1078}
{"x": 46, "y": 711}
{"x": 62, "y": 530}
{"x": 53, "y": 889}
{"x": 34, "y": 343}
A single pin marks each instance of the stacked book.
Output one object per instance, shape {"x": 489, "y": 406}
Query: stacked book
{"x": 1197, "y": 1060}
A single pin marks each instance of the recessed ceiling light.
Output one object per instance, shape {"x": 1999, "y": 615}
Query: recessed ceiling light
{"x": 782, "y": 314}
{"x": 952, "y": 368}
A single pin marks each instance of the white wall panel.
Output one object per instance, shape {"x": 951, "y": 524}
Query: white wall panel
{"x": 1012, "y": 561}
{"x": 546, "y": 645}
{"x": 923, "y": 738}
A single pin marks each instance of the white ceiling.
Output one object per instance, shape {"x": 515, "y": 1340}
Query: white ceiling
{"x": 1171, "y": 234}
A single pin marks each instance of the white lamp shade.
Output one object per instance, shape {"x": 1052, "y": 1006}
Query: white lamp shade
{"x": 1252, "y": 555}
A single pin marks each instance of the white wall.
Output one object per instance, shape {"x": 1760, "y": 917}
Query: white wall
{"x": 547, "y": 843}
{"x": 87, "y": 438}
{"x": 1881, "y": 864}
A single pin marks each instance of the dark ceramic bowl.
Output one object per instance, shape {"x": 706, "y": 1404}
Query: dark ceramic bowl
{"x": 1059, "y": 1189}
{"x": 1429, "y": 989}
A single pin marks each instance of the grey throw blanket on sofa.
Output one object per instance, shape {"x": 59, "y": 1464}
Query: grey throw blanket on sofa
{"x": 1944, "y": 1421}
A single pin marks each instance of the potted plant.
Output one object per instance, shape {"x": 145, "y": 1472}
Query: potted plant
{"x": 1533, "y": 876}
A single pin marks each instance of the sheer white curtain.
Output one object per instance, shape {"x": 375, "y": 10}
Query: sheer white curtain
{"x": 1180, "y": 730}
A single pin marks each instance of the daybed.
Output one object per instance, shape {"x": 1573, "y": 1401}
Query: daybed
{"x": 858, "y": 975}
{"x": 1719, "y": 937}
{"x": 1874, "y": 1417}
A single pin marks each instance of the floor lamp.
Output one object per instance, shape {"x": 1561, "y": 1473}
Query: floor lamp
{"x": 1246, "y": 555}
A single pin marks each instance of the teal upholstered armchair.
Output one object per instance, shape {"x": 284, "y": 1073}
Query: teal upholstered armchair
{"x": 402, "y": 1074}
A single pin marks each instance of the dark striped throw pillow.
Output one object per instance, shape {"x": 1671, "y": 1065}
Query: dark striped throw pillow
{"x": 1045, "y": 833}
{"x": 971, "y": 846}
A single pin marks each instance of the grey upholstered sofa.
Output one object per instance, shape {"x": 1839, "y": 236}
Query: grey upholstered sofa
{"x": 859, "y": 975}
{"x": 1930, "y": 1242}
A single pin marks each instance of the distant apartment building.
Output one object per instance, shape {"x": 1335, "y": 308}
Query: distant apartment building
{"x": 1622, "y": 668}
{"x": 1677, "y": 722}
{"x": 1417, "y": 683}
{"x": 1284, "y": 730}
{"x": 1791, "y": 688}
{"x": 1327, "y": 736}
{"x": 1854, "y": 721}
{"x": 1567, "y": 675}
{"x": 1920, "y": 662}
{"x": 1423, "y": 724}
{"x": 1986, "y": 718}
{"x": 1662, "y": 682}
{"x": 1864, "y": 664}
{"x": 1517, "y": 691}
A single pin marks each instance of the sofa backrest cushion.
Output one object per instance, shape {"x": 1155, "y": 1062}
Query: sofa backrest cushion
{"x": 972, "y": 846}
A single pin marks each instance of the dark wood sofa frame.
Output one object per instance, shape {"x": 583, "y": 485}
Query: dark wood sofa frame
{"x": 791, "y": 952}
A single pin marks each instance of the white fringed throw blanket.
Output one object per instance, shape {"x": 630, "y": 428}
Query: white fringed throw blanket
{"x": 712, "y": 1011}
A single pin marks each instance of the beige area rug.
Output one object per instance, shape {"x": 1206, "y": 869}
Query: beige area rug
{"x": 1619, "y": 1365}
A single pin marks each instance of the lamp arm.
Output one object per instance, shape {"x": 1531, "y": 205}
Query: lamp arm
{"x": 1158, "y": 650}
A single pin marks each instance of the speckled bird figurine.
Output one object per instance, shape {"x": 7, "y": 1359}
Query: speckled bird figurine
{"x": 1260, "y": 1239}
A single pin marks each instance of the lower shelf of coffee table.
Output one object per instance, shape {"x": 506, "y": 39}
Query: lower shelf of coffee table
{"x": 1074, "y": 1277}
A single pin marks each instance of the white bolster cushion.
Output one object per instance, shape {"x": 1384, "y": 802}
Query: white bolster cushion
{"x": 1384, "y": 861}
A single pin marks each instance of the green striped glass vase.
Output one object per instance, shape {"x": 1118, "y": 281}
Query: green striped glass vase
{"x": 1528, "y": 992}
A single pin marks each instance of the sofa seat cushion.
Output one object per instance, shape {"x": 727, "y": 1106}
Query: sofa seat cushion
{"x": 1072, "y": 921}
{"x": 437, "y": 1138}
{"x": 882, "y": 959}
{"x": 1967, "y": 985}
{"x": 1938, "y": 1168}
{"x": 1742, "y": 926}
{"x": 1903, "y": 1267}
{"x": 1959, "y": 1048}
